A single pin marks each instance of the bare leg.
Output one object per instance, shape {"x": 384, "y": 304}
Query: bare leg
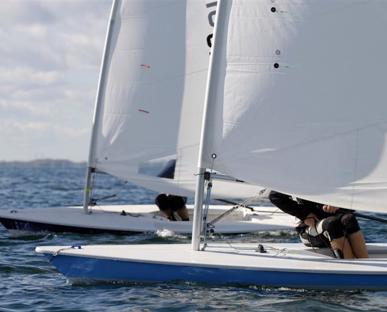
{"x": 343, "y": 245}
{"x": 166, "y": 214}
{"x": 311, "y": 220}
{"x": 358, "y": 244}
{"x": 183, "y": 213}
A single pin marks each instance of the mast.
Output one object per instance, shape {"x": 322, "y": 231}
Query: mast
{"x": 207, "y": 120}
{"x": 97, "y": 110}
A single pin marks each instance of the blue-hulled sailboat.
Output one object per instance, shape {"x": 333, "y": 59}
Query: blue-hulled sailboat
{"x": 296, "y": 102}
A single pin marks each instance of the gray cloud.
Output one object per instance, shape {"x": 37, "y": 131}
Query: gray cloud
{"x": 50, "y": 55}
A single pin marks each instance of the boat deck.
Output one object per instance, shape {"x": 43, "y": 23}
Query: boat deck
{"x": 122, "y": 219}
{"x": 278, "y": 257}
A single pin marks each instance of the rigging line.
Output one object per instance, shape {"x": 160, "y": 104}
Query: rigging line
{"x": 206, "y": 225}
{"x": 104, "y": 197}
{"x": 94, "y": 201}
{"x": 224, "y": 214}
{"x": 234, "y": 203}
{"x": 237, "y": 205}
{"x": 278, "y": 251}
{"x": 250, "y": 207}
{"x": 247, "y": 200}
{"x": 92, "y": 184}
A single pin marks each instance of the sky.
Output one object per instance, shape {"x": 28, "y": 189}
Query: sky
{"x": 50, "y": 55}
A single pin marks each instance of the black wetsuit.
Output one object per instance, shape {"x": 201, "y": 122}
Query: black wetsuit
{"x": 300, "y": 208}
{"x": 335, "y": 225}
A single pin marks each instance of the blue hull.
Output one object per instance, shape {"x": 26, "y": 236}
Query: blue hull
{"x": 108, "y": 270}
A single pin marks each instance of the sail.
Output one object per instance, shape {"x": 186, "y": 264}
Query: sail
{"x": 299, "y": 99}
{"x": 143, "y": 87}
{"x": 152, "y": 95}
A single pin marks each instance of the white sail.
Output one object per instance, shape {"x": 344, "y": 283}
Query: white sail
{"x": 152, "y": 95}
{"x": 301, "y": 99}
{"x": 144, "y": 86}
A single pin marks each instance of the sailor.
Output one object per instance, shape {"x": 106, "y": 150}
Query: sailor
{"x": 172, "y": 207}
{"x": 324, "y": 226}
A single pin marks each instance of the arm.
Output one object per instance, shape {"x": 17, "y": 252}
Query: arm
{"x": 289, "y": 206}
{"x": 330, "y": 209}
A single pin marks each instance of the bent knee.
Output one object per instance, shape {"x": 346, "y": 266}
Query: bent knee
{"x": 350, "y": 223}
{"x": 333, "y": 227}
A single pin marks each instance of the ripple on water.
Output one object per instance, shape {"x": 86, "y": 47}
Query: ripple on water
{"x": 30, "y": 283}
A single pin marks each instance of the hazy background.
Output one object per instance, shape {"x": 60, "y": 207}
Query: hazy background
{"x": 50, "y": 53}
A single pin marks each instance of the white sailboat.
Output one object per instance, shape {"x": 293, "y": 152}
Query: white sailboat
{"x": 313, "y": 72}
{"x": 146, "y": 125}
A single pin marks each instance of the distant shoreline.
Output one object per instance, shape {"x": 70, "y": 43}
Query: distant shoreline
{"x": 43, "y": 163}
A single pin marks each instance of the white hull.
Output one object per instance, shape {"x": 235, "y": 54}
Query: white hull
{"x": 139, "y": 218}
{"x": 288, "y": 265}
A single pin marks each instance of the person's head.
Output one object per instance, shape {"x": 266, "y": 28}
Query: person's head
{"x": 176, "y": 202}
{"x": 162, "y": 202}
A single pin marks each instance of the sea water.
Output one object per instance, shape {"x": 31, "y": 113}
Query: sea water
{"x": 29, "y": 283}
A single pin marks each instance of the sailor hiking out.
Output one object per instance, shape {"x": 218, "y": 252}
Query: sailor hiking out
{"x": 324, "y": 226}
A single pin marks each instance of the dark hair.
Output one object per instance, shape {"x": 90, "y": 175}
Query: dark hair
{"x": 162, "y": 202}
{"x": 173, "y": 202}
{"x": 176, "y": 202}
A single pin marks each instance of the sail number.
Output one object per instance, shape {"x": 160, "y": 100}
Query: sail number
{"x": 211, "y": 20}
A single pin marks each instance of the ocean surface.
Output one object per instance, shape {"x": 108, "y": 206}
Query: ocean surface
{"x": 29, "y": 283}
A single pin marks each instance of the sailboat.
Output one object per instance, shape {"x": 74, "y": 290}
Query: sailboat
{"x": 146, "y": 127}
{"x": 312, "y": 73}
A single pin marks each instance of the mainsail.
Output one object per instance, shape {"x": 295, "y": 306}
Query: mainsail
{"x": 299, "y": 99}
{"x": 151, "y": 95}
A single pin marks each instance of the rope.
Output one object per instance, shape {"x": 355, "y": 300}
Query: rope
{"x": 94, "y": 201}
{"x": 207, "y": 204}
{"x": 243, "y": 205}
{"x": 205, "y": 224}
{"x": 224, "y": 214}
{"x": 56, "y": 253}
{"x": 260, "y": 249}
